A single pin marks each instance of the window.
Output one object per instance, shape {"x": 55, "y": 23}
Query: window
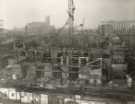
{"x": 59, "y": 54}
{"x": 83, "y": 61}
{"x": 73, "y": 73}
{"x": 85, "y": 54}
{"x": 18, "y": 44}
{"x": 46, "y": 57}
{"x": 118, "y": 60}
{"x": 39, "y": 74}
{"x": 74, "y": 61}
{"x": 57, "y": 73}
{"x": 22, "y": 53}
{"x": 12, "y": 94}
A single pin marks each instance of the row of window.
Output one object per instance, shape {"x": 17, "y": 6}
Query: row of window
{"x": 57, "y": 74}
{"x": 46, "y": 57}
{"x": 118, "y": 61}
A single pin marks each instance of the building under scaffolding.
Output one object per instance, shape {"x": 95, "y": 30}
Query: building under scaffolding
{"x": 99, "y": 71}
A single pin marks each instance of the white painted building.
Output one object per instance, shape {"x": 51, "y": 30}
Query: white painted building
{"x": 25, "y": 97}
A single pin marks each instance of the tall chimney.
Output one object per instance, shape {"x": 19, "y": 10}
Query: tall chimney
{"x": 47, "y": 20}
{"x": 1, "y": 25}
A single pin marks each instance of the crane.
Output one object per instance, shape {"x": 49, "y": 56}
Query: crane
{"x": 71, "y": 12}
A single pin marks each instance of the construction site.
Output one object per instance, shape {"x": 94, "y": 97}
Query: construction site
{"x": 70, "y": 65}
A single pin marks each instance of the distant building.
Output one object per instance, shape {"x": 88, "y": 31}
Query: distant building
{"x": 1, "y": 26}
{"x": 39, "y": 28}
{"x": 123, "y": 29}
{"x": 105, "y": 29}
{"x": 47, "y": 19}
{"x": 121, "y": 26}
{"x": 12, "y": 70}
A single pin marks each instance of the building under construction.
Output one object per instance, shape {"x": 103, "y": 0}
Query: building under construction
{"x": 101, "y": 69}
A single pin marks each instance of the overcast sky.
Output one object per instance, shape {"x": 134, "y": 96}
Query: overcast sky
{"x": 16, "y": 13}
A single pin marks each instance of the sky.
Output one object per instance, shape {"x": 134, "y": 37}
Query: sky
{"x": 16, "y": 13}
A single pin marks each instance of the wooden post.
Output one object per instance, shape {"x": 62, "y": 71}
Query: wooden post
{"x": 40, "y": 99}
{"x": 32, "y": 99}
{"x": 16, "y": 95}
{"x": 20, "y": 98}
{"x": 8, "y": 94}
